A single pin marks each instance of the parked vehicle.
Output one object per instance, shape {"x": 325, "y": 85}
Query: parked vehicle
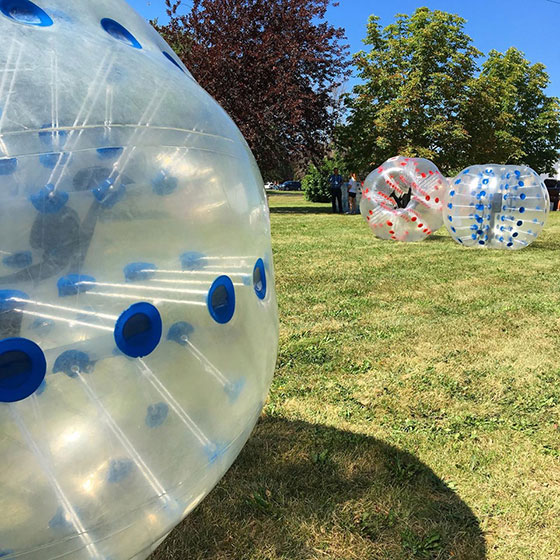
{"x": 269, "y": 186}
{"x": 290, "y": 186}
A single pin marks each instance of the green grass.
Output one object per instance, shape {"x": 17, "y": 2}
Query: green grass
{"x": 415, "y": 409}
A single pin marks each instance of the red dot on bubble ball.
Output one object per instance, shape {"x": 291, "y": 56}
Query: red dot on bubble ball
{"x": 427, "y": 197}
{"x": 423, "y": 175}
{"x": 389, "y": 223}
{"x": 426, "y": 230}
{"x": 437, "y": 199}
{"x": 413, "y": 219}
{"x": 392, "y": 232}
{"x": 420, "y": 225}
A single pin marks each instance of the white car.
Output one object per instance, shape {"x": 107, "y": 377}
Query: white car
{"x": 269, "y": 186}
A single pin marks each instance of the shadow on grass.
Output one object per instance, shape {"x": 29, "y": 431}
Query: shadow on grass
{"x": 302, "y": 491}
{"x": 434, "y": 238}
{"x": 300, "y": 210}
{"x": 284, "y": 194}
{"x": 544, "y": 245}
{"x": 537, "y": 246}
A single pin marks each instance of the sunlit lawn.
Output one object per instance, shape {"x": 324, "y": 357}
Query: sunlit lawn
{"x": 415, "y": 408}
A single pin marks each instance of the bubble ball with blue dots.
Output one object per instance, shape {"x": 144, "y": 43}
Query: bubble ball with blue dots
{"x": 496, "y": 206}
{"x": 138, "y": 316}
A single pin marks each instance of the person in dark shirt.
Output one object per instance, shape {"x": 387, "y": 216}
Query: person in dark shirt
{"x": 335, "y": 184}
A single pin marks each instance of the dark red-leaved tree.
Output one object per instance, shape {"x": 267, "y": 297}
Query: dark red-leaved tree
{"x": 274, "y": 65}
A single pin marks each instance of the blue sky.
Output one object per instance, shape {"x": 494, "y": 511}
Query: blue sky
{"x": 530, "y": 25}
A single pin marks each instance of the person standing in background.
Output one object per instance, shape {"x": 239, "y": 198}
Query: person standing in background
{"x": 359, "y": 195}
{"x": 345, "y": 198}
{"x": 353, "y": 187}
{"x": 335, "y": 183}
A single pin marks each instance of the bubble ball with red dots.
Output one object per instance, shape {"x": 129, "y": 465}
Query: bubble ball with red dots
{"x": 496, "y": 206}
{"x": 402, "y": 199}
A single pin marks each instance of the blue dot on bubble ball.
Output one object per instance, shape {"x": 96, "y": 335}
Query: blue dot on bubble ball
{"x": 156, "y": 414}
{"x": 119, "y": 470}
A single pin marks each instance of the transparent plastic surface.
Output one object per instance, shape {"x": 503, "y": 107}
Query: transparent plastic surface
{"x": 402, "y": 199}
{"x": 138, "y": 317}
{"x": 496, "y": 206}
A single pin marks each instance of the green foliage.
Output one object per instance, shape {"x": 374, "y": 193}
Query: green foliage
{"x": 416, "y": 78}
{"x": 521, "y": 123}
{"x": 421, "y": 96}
{"x": 421, "y": 547}
{"x": 315, "y": 183}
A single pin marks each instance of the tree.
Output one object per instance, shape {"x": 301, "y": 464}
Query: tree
{"x": 510, "y": 117}
{"x": 273, "y": 65}
{"x": 174, "y": 32}
{"x": 422, "y": 95}
{"x": 315, "y": 183}
{"x": 416, "y": 78}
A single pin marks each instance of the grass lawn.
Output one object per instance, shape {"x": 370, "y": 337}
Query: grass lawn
{"x": 415, "y": 408}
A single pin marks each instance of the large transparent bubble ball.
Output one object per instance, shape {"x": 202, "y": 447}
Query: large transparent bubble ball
{"x": 138, "y": 318}
{"x": 496, "y": 206}
{"x": 402, "y": 199}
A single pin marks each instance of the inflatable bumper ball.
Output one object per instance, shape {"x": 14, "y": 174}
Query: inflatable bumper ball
{"x": 402, "y": 199}
{"x": 138, "y": 319}
{"x": 496, "y": 206}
